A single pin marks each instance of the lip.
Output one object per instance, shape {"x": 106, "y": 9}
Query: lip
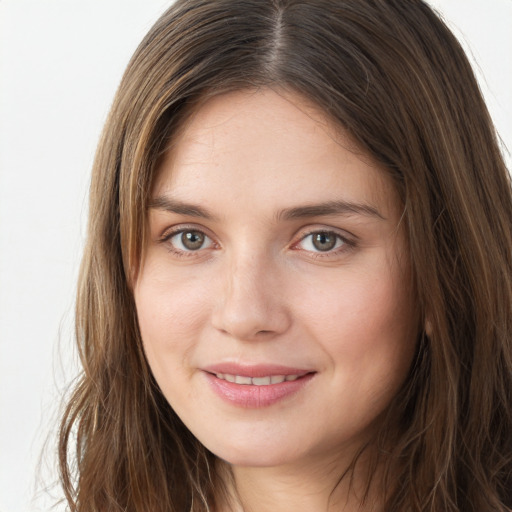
{"x": 253, "y": 396}
{"x": 254, "y": 370}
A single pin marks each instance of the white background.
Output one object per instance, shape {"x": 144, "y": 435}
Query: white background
{"x": 60, "y": 63}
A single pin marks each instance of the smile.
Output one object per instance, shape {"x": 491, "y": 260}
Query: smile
{"x": 256, "y": 381}
{"x": 256, "y": 386}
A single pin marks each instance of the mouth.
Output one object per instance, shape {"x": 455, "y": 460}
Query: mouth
{"x": 256, "y": 386}
{"x": 257, "y": 381}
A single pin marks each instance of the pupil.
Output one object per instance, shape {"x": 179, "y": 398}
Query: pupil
{"x": 192, "y": 240}
{"x": 324, "y": 241}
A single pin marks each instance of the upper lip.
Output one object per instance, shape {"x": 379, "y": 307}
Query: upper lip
{"x": 254, "y": 370}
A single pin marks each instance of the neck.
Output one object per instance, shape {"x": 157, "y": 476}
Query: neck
{"x": 300, "y": 488}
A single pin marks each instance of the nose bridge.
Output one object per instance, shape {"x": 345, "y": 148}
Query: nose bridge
{"x": 250, "y": 305}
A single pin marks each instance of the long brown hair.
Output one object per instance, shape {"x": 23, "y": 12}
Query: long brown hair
{"x": 397, "y": 80}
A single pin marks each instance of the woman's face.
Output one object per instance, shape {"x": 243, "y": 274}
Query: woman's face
{"x": 275, "y": 300}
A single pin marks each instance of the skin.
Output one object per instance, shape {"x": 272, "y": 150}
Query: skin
{"x": 259, "y": 291}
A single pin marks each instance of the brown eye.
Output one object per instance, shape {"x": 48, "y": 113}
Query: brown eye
{"x": 324, "y": 241}
{"x": 192, "y": 240}
{"x": 189, "y": 240}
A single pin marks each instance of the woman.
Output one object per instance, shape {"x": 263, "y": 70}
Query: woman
{"x": 296, "y": 291}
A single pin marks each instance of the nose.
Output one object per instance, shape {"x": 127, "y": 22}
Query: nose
{"x": 251, "y": 303}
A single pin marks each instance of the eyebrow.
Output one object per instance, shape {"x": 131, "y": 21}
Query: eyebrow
{"x": 313, "y": 210}
{"x": 174, "y": 206}
{"x": 330, "y": 208}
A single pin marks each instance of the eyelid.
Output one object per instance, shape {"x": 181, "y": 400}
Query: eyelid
{"x": 173, "y": 231}
{"x": 170, "y": 231}
{"x": 349, "y": 241}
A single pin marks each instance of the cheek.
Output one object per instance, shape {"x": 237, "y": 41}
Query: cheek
{"x": 365, "y": 322}
{"x": 171, "y": 317}
{"x": 167, "y": 299}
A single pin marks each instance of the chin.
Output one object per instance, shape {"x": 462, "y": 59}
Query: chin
{"x": 254, "y": 454}
{"x": 255, "y": 460}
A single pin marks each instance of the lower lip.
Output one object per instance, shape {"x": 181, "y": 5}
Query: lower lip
{"x": 251, "y": 396}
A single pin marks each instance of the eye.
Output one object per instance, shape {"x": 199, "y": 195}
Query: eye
{"x": 189, "y": 240}
{"x": 322, "y": 241}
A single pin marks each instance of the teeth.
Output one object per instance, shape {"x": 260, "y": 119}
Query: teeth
{"x": 261, "y": 381}
{"x": 239, "y": 379}
{"x": 257, "y": 381}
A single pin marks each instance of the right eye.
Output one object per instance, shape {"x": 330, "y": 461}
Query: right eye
{"x": 188, "y": 240}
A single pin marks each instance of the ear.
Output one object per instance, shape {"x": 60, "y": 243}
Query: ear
{"x": 133, "y": 275}
{"x": 428, "y": 327}
{"x": 134, "y": 267}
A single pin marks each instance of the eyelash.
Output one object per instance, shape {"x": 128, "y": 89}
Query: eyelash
{"x": 168, "y": 236}
{"x": 342, "y": 244}
{"x": 346, "y": 245}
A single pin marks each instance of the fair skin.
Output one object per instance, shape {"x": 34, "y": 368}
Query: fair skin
{"x": 276, "y": 260}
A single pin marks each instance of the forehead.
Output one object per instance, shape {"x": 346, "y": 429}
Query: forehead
{"x": 271, "y": 144}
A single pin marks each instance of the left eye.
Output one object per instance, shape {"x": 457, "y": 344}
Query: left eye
{"x": 321, "y": 241}
{"x": 190, "y": 240}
